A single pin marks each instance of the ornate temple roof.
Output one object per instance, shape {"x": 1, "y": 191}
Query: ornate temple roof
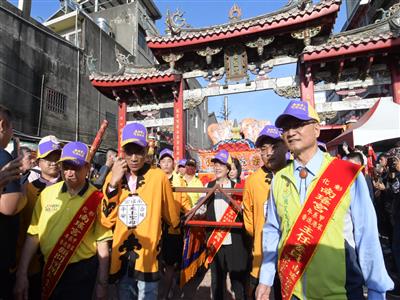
{"x": 294, "y": 13}
{"x": 378, "y": 36}
{"x": 130, "y": 74}
{"x": 135, "y": 77}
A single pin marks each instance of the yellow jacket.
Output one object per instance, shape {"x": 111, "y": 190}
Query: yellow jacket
{"x": 195, "y": 182}
{"x": 137, "y": 221}
{"x": 255, "y": 196}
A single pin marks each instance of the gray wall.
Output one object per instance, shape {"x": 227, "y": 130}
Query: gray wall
{"x": 124, "y": 21}
{"x": 28, "y": 51}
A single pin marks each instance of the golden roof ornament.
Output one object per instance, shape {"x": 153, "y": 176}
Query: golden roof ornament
{"x": 235, "y": 131}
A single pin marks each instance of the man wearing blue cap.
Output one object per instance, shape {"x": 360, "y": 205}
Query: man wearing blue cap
{"x": 48, "y": 154}
{"x": 70, "y": 235}
{"x": 137, "y": 199}
{"x": 321, "y": 229}
{"x": 256, "y": 191}
{"x": 192, "y": 180}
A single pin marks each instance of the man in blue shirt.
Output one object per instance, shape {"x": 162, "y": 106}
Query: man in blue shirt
{"x": 364, "y": 265}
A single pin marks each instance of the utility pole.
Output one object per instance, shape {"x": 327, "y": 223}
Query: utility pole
{"x": 224, "y": 111}
{"x": 226, "y": 114}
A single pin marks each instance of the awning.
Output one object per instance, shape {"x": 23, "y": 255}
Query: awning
{"x": 381, "y": 122}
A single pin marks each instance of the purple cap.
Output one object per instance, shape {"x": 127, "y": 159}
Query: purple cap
{"x": 47, "y": 145}
{"x": 182, "y": 163}
{"x": 75, "y": 152}
{"x": 298, "y": 109}
{"x": 166, "y": 152}
{"x": 269, "y": 131}
{"x": 222, "y": 156}
{"x": 134, "y": 133}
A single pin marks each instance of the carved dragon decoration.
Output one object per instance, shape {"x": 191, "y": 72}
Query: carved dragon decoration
{"x": 175, "y": 22}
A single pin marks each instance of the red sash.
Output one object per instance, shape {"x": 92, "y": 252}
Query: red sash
{"x": 219, "y": 235}
{"x": 68, "y": 243}
{"x": 311, "y": 224}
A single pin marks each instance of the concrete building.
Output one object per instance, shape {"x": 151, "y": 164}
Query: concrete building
{"x": 128, "y": 22}
{"x": 44, "y": 66}
{"x": 43, "y": 70}
{"x": 44, "y": 79}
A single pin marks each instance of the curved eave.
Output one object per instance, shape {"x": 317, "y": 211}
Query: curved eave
{"x": 244, "y": 31}
{"x": 360, "y": 49}
{"x": 122, "y": 83}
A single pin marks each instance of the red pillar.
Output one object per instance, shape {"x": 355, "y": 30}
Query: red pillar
{"x": 179, "y": 125}
{"x": 306, "y": 85}
{"x": 121, "y": 121}
{"x": 395, "y": 74}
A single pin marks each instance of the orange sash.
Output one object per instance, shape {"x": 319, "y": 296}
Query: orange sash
{"x": 68, "y": 243}
{"x": 311, "y": 224}
{"x": 219, "y": 235}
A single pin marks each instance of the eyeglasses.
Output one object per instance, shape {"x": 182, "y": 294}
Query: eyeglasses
{"x": 297, "y": 125}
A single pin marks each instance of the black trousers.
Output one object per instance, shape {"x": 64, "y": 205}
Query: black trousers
{"x": 77, "y": 281}
{"x": 221, "y": 265}
{"x": 7, "y": 281}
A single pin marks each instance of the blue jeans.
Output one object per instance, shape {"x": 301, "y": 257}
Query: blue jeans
{"x": 130, "y": 288}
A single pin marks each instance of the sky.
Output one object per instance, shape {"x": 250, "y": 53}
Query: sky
{"x": 263, "y": 105}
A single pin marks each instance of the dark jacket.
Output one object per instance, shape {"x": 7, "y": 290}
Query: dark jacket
{"x": 240, "y": 243}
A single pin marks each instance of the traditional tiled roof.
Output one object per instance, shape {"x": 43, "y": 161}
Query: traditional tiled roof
{"x": 133, "y": 74}
{"x": 374, "y": 33}
{"x": 292, "y": 12}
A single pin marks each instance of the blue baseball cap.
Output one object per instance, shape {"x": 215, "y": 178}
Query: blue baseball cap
{"x": 182, "y": 163}
{"x": 301, "y": 110}
{"x": 134, "y": 133}
{"x": 75, "y": 152}
{"x": 222, "y": 156}
{"x": 269, "y": 131}
{"x": 166, "y": 152}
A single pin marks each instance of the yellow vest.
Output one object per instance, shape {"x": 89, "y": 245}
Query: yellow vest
{"x": 54, "y": 210}
{"x": 325, "y": 276}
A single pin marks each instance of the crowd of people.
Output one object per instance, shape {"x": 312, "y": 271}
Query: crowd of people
{"x": 315, "y": 226}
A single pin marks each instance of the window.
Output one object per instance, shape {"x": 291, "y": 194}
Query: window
{"x": 196, "y": 122}
{"x": 142, "y": 38}
{"x": 112, "y": 120}
{"x": 55, "y": 101}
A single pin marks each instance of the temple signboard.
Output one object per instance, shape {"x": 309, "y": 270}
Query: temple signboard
{"x": 235, "y": 58}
